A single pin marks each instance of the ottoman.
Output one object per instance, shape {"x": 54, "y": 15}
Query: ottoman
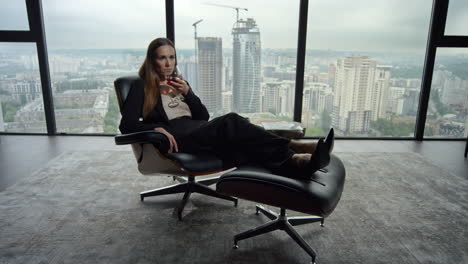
{"x": 316, "y": 196}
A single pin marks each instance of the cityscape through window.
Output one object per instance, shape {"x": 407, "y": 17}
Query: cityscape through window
{"x": 21, "y": 108}
{"x": 447, "y": 115}
{"x": 237, "y": 58}
{"x": 363, "y": 68}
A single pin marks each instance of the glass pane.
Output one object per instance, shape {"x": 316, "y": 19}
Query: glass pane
{"x": 448, "y": 101}
{"x": 13, "y": 15}
{"x": 245, "y": 64}
{"x": 457, "y": 19}
{"x": 90, "y": 44}
{"x": 22, "y": 108}
{"x": 364, "y": 67}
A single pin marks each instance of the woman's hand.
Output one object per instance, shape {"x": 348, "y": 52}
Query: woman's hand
{"x": 172, "y": 141}
{"x": 179, "y": 84}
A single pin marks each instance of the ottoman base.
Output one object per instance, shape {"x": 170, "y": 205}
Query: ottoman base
{"x": 281, "y": 222}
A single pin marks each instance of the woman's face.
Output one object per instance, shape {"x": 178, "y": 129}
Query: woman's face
{"x": 165, "y": 60}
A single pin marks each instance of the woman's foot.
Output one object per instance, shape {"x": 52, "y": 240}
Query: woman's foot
{"x": 301, "y": 146}
{"x": 300, "y": 160}
{"x": 307, "y": 164}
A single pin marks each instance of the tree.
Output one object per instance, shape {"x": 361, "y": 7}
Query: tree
{"x": 441, "y": 108}
{"x": 9, "y": 110}
{"x": 391, "y": 128}
{"x": 314, "y": 132}
{"x": 112, "y": 116}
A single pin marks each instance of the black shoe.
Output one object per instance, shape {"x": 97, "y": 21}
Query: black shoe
{"x": 330, "y": 141}
{"x": 320, "y": 158}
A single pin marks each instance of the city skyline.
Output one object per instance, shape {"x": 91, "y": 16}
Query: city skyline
{"x": 91, "y": 70}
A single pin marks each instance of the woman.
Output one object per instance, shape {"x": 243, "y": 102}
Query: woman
{"x": 168, "y": 105}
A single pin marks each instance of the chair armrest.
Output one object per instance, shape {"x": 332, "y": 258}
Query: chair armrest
{"x": 194, "y": 164}
{"x": 152, "y": 137}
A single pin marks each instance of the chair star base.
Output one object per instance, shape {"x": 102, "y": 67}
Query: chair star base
{"x": 281, "y": 222}
{"x": 189, "y": 187}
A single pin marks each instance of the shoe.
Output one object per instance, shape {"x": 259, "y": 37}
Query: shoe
{"x": 321, "y": 157}
{"x": 330, "y": 141}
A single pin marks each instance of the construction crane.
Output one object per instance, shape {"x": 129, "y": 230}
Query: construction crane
{"x": 227, "y": 6}
{"x": 195, "y": 27}
{"x": 196, "y": 50}
{"x": 195, "y": 35}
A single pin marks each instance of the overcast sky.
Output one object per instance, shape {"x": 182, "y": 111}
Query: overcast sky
{"x": 361, "y": 25}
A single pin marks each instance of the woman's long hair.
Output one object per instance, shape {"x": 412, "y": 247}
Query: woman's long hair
{"x": 150, "y": 74}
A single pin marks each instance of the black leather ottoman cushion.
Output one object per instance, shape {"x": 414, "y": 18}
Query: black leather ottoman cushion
{"x": 318, "y": 196}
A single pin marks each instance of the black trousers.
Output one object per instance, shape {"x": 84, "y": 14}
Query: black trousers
{"x": 234, "y": 139}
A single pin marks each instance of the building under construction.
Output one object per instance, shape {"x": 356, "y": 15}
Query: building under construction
{"x": 246, "y": 66}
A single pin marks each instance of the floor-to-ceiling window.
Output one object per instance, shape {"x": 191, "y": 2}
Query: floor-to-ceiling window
{"x": 448, "y": 102}
{"x": 364, "y": 63}
{"x": 364, "y": 66}
{"x": 447, "y": 113}
{"x": 243, "y": 56}
{"x": 21, "y": 107}
{"x": 90, "y": 44}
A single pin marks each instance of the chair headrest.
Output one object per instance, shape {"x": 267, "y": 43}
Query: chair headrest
{"x": 122, "y": 87}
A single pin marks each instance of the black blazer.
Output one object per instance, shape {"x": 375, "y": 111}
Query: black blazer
{"x": 132, "y": 113}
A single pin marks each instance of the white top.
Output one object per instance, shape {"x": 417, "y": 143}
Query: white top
{"x": 175, "y": 107}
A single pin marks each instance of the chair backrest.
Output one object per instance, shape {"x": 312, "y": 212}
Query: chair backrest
{"x": 150, "y": 160}
{"x": 122, "y": 87}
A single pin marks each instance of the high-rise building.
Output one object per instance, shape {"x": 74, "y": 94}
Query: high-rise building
{"x": 410, "y": 103}
{"x": 317, "y": 97}
{"x": 246, "y": 66}
{"x": 25, "y": 91}
{"x": 287, "y": 98}
{"x": 189, "y": 71}
{"x": 395, "y": 100}
{"x": 271, "y": 98}
{"x": 227, "y": 77}
{"x": 331, "y": 76}
{"x": 380, "y": 92}
{"x": 354, "y": 82}
{"x": 227, "y": 101}
{"x": 210, "y": 72}
{"x": 453, "y": 90}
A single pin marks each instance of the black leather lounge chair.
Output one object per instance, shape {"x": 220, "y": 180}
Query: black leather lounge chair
{"x": 317, "y": 196}
{"x": 184, "y": 167}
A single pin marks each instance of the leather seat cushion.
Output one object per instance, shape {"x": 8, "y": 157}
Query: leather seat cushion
{"x": 197, "y": 164}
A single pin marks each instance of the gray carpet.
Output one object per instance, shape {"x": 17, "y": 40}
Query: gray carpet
{"x": 84, "y": 207}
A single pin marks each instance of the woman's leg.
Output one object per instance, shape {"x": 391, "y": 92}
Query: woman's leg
{"x": 233, "y": 137}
